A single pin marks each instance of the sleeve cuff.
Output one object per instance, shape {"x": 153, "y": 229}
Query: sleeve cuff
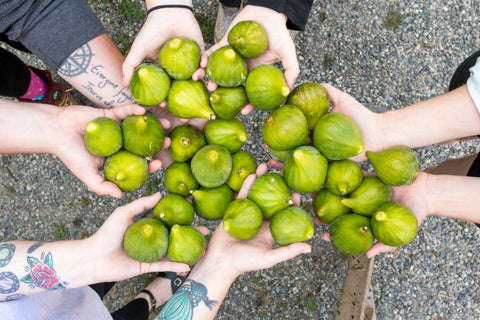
{"x": 473, "y": 84}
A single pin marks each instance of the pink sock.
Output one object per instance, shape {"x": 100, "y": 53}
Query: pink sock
{"x": 37, "y": 87}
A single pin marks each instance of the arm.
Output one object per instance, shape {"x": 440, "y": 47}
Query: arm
{"x": 41, "y": 128}
{"x": 449, "y": 116}
{"x": 161, "y": 25}
{"x": 29, "y": 267}
{"x": 95, "y": 70}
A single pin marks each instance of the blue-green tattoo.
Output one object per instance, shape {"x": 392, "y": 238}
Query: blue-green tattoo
{"x": 181, "y": 305}
{"x": 7, "y": 250}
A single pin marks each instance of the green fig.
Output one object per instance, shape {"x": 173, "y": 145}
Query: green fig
{"x": 243, "y": 219}
{"x": 337, "y": 136}
{"x": 285, "y": 128}
{"x": 180, "y": 57}
{"x": 211, "y": 166}
{"x": 352, "y": 234}
{"x": 279, "y": 155}
{"x": 328, "y": 206}
{"x": 292, "y": 224}
{"x": 103, "y": 137}
{"x": 189, "y": 99}
{"x": 394, "y": 224}
{"x": 305, "y": 169}
{"x": 397, "y": 166}
{"x": 369, "y": 195}
{"x": 179, "y": 179}
{"x": 186, "y": 141}
{"x": 227, "y": 102}
{"x": 243, "y": 165}
{"x": 211, "y": 203}
{"x": 266, "y": 87}
{"x": 343, "y": 177}
{"x": 226, "y": 67}
{"x": 127, "y": 170}
{"x": 174, "y": 209}
{"x": 248, "y": 38}
{"x": 186, "y": 244}
{"x": 232, "y": 133}
{"x": 150, "y": 84}
{"x": 313, "y": 99}
{"x": 146, "y": 240}
{"x": 271, "y": 194}
{"x": 143, "y": 135}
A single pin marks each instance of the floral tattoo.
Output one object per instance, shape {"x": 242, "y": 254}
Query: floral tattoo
{"x": 41, "y": 273}
{"x": 181, "y": 305}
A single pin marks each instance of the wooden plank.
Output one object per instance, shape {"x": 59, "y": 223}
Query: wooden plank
{"x": 354, "y": 302}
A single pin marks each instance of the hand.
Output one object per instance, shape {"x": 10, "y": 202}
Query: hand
{"x": 280, "y": 44}
{"x": 413, "y": 197}
{"x": 70, "y": 148}
{"x": 369, "y": 123}
{"x": 161, "y": 25}
{"x": 111, "y": 263}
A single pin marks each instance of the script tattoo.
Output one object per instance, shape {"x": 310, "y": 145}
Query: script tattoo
{"x": 7, "y": 250}
{"x": 181, "y": 305}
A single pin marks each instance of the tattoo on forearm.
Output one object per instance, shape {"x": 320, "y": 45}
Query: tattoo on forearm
{"x": 41, "y": 274}
{"x": 8, "y": 282}
{"x": 99, "y": 84}
{"x": 34, "y": 247}
{"x": 78, "y": 62}
{"x": 7, "y": 250}
{"x": 188, "y": 297}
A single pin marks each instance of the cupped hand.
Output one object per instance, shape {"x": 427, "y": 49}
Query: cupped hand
{"x": 369, "y": 123}
{"x": 160, "y": 26}
{"x": 71, "y": 150}
{"x": 106, "y": 246}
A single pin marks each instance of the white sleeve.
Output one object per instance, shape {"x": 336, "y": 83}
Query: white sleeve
{"x": 473, "y": 84}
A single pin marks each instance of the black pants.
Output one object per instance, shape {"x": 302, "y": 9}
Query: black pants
{"x": 14, "y": 73}
{"x": 134, "y": 310}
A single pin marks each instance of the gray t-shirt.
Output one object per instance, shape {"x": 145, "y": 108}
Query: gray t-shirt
{"x": 51, "y": 29}
{"x": 62, "y": 304}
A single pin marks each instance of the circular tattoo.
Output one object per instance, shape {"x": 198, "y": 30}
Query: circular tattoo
{"x": 8, "y": 282}
{"x": 78, "y": 62}
{"x": 6, "y": 253}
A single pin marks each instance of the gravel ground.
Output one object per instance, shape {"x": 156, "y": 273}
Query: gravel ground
{"x": 436, "y": 276}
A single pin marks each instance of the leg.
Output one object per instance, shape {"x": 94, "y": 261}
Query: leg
{"x": 227, "y": 11}
{"x": 14, "y": 75}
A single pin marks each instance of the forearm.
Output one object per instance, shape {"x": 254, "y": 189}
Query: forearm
{"x": 206, "y": 286}
{"x": 26, "y": 127}
{"x": 449, "y": 116}
{"x": 454, "y": 196}
{"x": 98, "y": 73}
{"x": 32, "y": 267}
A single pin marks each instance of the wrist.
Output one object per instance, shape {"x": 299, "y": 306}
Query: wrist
{"x": 212, "y": 271}
{"x": 152, "y": 3}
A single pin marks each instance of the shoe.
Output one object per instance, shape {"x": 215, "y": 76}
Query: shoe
{"x": 225, "y": 15}
{"x": 57, "y": 95}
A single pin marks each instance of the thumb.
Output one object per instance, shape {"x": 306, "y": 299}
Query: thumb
{"x": 288, "y": 252}
{"x": 133, "y": 59}
{"x": 292, "y": 70}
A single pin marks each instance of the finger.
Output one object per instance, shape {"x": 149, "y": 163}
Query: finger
{"x": 203, "y": 230}
{"x": 140, "y": 205}
{"x": 107, "y": 188}
{"x": 247, "y": 109}
{"x": 204, "y": 59}
{"x": 378, "y": 248}
{"x": 297, "y": 200}
{"x": 166, "y": 124}
{"x": 261, "y": 169}
{"x": 154, "y": 165}
{"x": 133, "y": 59}
{"x": 247, "y": 184}
{"x": 318, "y": 221}
{"x": 124, "y": 111}
{"x": 166, "y": 143}
{"x": 211, "y": 86}
{"x": 199, "y": 74}
{"x": 286, "y": 253}
{"x": 326, "y": 236}
{"x": 290, "y": 64}
{"x": 275, "y": 163}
